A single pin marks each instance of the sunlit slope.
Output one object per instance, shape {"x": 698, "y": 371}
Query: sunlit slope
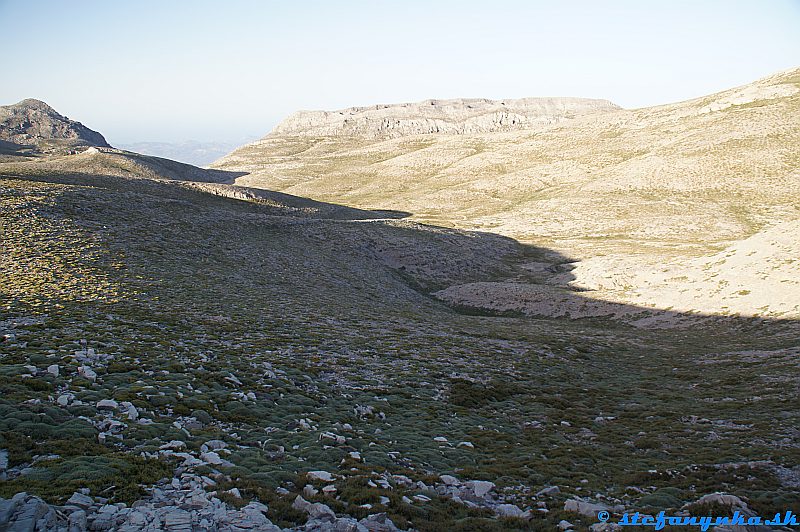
{"x": 687, "y": 175}
{"x": 638, "y": 197}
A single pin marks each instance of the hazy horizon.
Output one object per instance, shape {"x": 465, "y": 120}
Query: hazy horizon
{"x": 146, "y": 72}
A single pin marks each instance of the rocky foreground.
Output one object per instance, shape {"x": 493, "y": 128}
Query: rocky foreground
{"x": 185, "y": 504}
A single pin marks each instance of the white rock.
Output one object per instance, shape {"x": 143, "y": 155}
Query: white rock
{"x": 467, "y": 444}
{"x": 721, "y": 499}
{"x": 422, "y": 498}
{"x": 324, "y": 476}
{"x": 64, "y": 399}
{"x": 449, "y": 480}
{"x": 481, "y": 487}
{"x": 440, "y": 439}
{"x": 584, "y": 508}
{"x": 53, "y": 370}
{"x": 565, "y": 525}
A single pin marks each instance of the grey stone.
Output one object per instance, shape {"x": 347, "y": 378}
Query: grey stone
{"x": 107, "y": 404}
{"x": 722, "y": 499}
{"x": 7, "y": 509}
{"x": 214, "y": 445}
{"x": 548, "y": 491}
{"x": 314, "y": 510}
{"x": 449, "y": 480}
{"x": 80, "y": 500}
{"x": 77, "y": 521}
{"x": 508, "y": 510}
{"x": 378, "y": 523}
{"x": 481, "y": 488}
{"x": 584, "y": 508}
{"x": 211, "y": 458}
{"x": 177, "y": 519}
{"x": 27, "y": 515}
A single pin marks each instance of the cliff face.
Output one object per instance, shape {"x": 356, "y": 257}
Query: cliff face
{"x": 455, "y": 117}
{"x": 33, "y": 122}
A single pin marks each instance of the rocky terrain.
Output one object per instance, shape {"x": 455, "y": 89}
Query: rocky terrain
{"x": 179, "y": 351}
{"x": 644, "y": 203}
{"x": 34, "y": 124}
{"x": 449, "y": 117}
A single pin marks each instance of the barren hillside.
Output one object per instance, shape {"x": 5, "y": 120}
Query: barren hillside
{"x": 617, "y": 189}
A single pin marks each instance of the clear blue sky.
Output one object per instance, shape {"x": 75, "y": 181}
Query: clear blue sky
{"x": 174, "y": 70}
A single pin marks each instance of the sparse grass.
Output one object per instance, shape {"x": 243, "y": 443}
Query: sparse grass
{"x": 182, "y": 290}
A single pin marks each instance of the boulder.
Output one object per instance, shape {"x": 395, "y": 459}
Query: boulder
{"x": 449, "y": 480}
{"x": 480, "y": 488}
{"x": 107, "y": 404}
{"x": 378, "y": 523}
{"x": 315, "y": 510}
{"x": 214, "y": 445}
{"x": 548, "y": 491}
{"x": 508, "y": 510}
{"x": 324, "y": 476}
{"x": 211, "y": 458}
{"x": 721, "y": 499}
{"x": 80, "y": 500}
{"x": 584, "y": 508}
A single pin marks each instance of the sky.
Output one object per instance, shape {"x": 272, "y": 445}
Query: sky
{"x": 231, "y": 70}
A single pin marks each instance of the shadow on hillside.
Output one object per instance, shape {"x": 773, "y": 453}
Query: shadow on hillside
{"x": 13, "y": 150}
{"x": 474, "y": 273}
{"x": 257, "y": 200}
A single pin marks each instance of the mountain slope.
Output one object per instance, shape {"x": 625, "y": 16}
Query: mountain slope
{"x": 626, "y": 189}
{"x": 454, "y": 117}
{"x": 277, "y": 359}
{"x": 33, "y": 122}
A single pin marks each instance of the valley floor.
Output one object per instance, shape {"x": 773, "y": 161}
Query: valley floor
{"x": 161, "y": 343}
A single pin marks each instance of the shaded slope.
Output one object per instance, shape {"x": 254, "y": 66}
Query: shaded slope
{"x": 196, "y": 302}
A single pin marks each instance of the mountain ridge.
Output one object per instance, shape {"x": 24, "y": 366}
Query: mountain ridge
{"x": 451, "y": 116}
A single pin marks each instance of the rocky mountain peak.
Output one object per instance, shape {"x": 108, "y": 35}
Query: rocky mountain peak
{"x": 34, "y": 122}
{"x": 456, "y": 117}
